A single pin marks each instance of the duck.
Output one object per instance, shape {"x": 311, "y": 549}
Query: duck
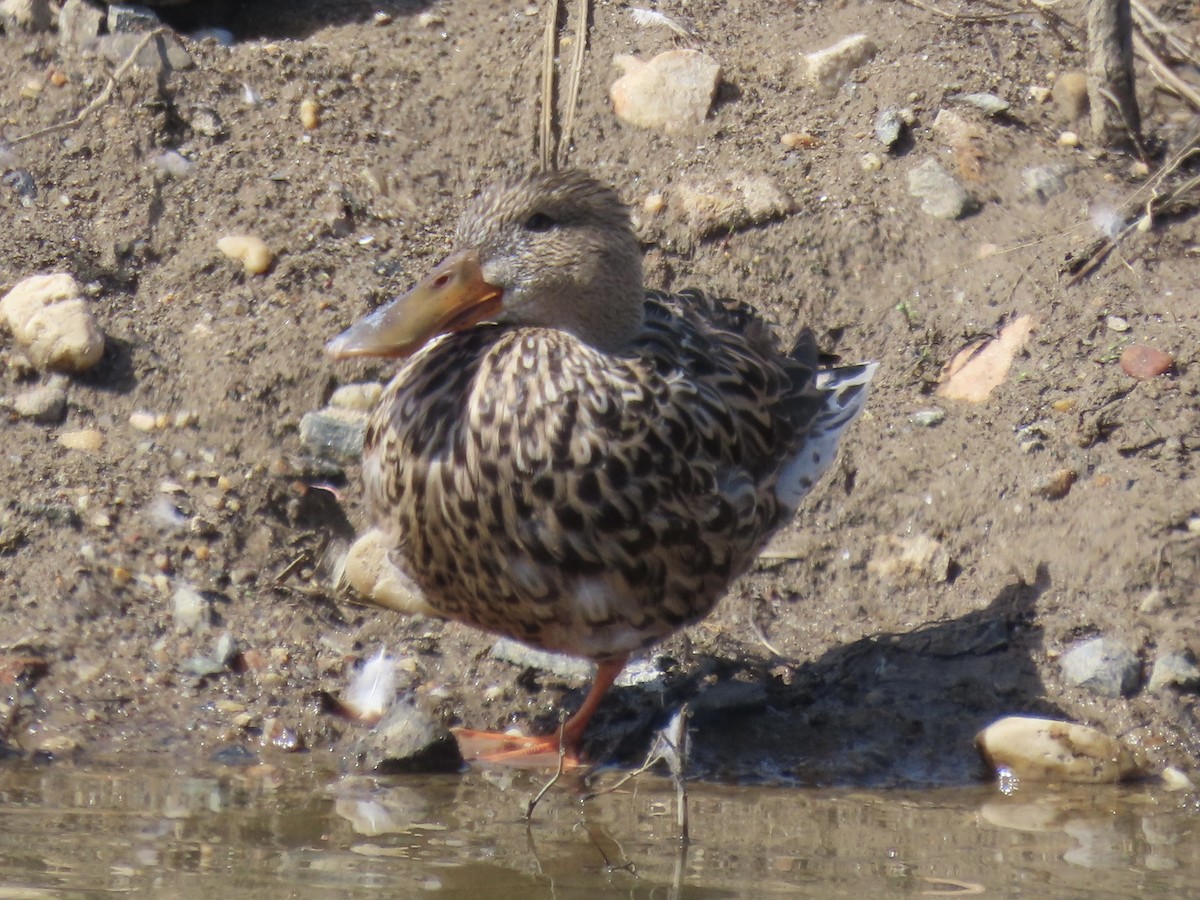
{"x": 569, "y": 459}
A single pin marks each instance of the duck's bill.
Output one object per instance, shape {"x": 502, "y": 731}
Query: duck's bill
{"x": 452, "y": 297}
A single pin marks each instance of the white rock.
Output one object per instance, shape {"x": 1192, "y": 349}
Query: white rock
{"x": 369, "y": 571}
{"x": 1036, "y": 749}
{"x": 84, "y": 439}
{"x": 725, "y": 204}
{"x": 672, "y": 92}
{"x": 827, "y": 70}
{"x": 915, "y": 559}
{"x": 53, "y": 324}
{"x": 361, "y": 397}
{"x": 253, "y": 253}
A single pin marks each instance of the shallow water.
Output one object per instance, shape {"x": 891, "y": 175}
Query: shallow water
{"x": 297, "y": 831}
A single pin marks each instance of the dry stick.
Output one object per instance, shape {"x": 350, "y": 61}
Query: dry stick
{"x": 546, "y": 150}
{"x": 100, "y": 98}
{"x": 1163, "y": 72}
{"x": 582, "y": 15}
{"x": 1148, "y": 21}
{"x": 562, "y": 755}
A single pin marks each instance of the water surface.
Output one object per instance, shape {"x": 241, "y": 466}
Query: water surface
{"x": 296, "y": 830}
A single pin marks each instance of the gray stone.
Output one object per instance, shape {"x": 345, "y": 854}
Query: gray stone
{"x": 940, "y": 194}
{"x": 79, "y": 25}
{"x": 1104, "y": 666}
{"x": 987, "y": 103}
{"x": 335, "y": 434}
{"x": 127, "y": 18}
{"x": 927, "y": 418}
{"x": 406, "y": 740}
{"x": 161, "y": 54}
{"x": 1044, "y": 182}
{"x": 889, "y": 127}
{"x": 45, "y": 403}
{"x": 1177, "y": 670}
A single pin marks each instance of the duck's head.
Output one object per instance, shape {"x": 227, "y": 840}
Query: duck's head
{"x": 553, "y": 250}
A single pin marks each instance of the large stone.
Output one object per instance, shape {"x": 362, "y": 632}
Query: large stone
{"x": 723, "y": 205}
{"x": 28, "y": 15}
{"x": 53, "y": 324}
{"x": 1034, "y": 749}
{"x": 672, "y": 92}
{"x": 79, "y": 25}
{"x": 368, "y": 569}
{"x": 333, "y": 433}
{"x": 1104, "y": 666}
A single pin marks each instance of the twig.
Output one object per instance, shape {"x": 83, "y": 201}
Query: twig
{"x": 1165, "y": 73}
{"x": 100, "y": 99}
{"x": 546, "y": 121}
{"x": 562, "y": 756}
{"x": 583, "y": 12}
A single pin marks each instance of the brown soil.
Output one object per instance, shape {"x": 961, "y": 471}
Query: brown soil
{"x": 813, "y": 668}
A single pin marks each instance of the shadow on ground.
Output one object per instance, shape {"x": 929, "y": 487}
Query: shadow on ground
{"x": 295, "y": 19}
{"x": 888, "y": 710}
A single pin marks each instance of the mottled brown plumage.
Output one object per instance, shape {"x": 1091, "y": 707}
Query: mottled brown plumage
{"x": 578, "y": 463}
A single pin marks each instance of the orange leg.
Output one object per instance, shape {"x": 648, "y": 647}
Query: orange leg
{"x": 540, "y": 752}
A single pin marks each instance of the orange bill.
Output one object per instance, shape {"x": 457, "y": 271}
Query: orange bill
{"x": 452, "y": 297}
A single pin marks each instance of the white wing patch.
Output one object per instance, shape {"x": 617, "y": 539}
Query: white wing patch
{"x": 845, "y": 395}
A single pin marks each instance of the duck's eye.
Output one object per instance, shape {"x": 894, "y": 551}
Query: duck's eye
{"x": 539, "y": 222}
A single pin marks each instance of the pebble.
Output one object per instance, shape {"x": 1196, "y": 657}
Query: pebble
{"x": 253, "y": 253}
{"x": 671, "y": 92}
{"x": 989, "y": 104}
{"x": 1143, "y": 362}
{"x": 174, "y": 164}
{"x": 406, "y": 740}
{"x": 1035, "y": 749}
{"x": 45, "y": 403}
{"x": 871, "y": 162}
{"x": 941, "y": 196}
{"x": 889, "y": 127}
{"x": 724, "y": 205}
{"x": 1070, "y": 95}
{"x": 927, "y": 418}
{"x": 654, "y": 204}
{"x": 1068, "y": 139}
{"x": 1155, "y": 601}
{"x": 335, "y": 434}
{"x": 1117, "y": 324}
{"x": 189, "y": 609}
{"x": 1175, "y": 780}
{"x": 310, "y": 113}
{"x": 83, "y": 439}
{"x": 910, "y": 560}
{"x": 799, "y": 140}
{"x": 1056, "y": 485}
{"x": 1044, "y": 182}
{"x": 1104, "y": 666}
{"x": 827, "y": 70}
{"x": 1039, "y": 93}
{"x": 53, "y": 323}
{"x": 429, "y": 19}
{"x": 23, "y": 184}
{"x": 143, "y": 421}
{"x": 130, "y": 19}
{"x": 361, "y": 397}
{"x": 1177, "y": 670}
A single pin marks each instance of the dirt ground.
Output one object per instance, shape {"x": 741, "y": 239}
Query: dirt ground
{"x": 816, "y": 668}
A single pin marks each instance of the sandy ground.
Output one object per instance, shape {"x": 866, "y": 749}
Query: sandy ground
{"x": 819, "y": 666}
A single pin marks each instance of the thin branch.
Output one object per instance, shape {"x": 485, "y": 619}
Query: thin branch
{"x": 100, "y": 99}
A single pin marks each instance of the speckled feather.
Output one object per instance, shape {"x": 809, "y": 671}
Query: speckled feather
{"x": 592, "y": 501}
